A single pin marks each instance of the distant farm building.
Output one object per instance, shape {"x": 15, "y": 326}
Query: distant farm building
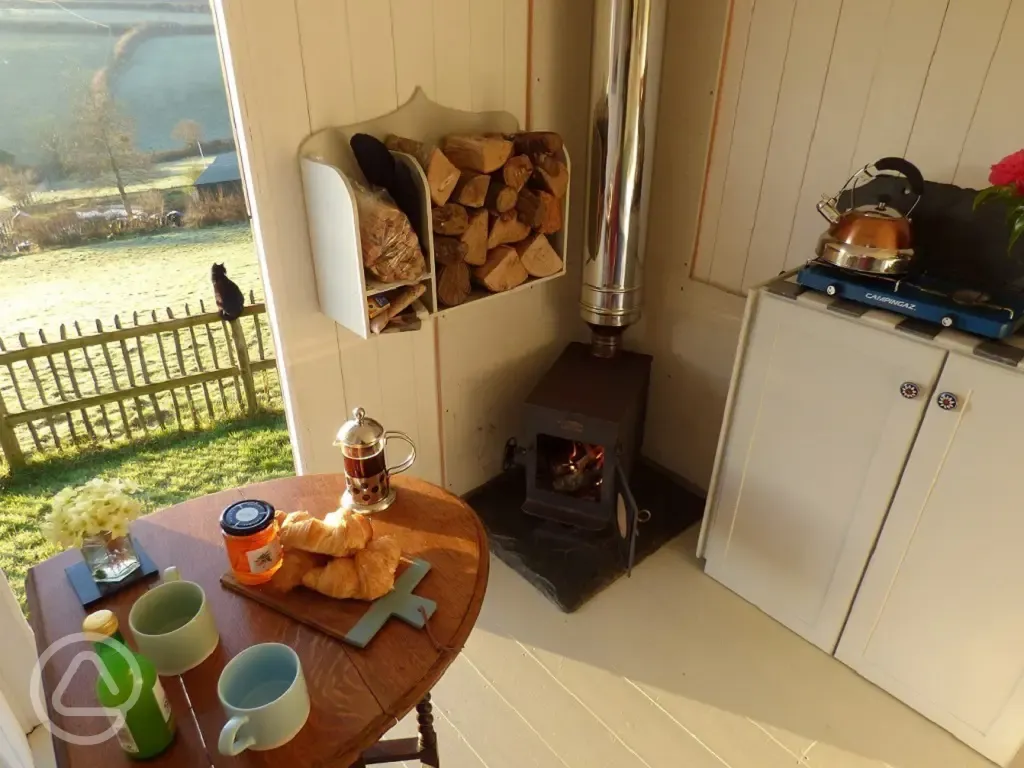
{"x": 222, "y": 176}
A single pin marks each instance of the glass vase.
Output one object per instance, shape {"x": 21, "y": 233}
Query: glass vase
{"x": 110, "y": 558}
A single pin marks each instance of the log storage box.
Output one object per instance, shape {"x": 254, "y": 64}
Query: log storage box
{"x": 497, "y": 226}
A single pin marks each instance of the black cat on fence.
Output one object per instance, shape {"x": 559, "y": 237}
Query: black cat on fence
{"x": 230, "y": 300}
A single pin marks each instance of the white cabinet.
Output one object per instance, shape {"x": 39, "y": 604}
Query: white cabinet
{"x": 817, "y": 438}
{"x": 939, "y": 619}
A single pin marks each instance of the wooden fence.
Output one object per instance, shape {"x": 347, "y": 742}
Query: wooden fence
{"x": 123, "y": 382}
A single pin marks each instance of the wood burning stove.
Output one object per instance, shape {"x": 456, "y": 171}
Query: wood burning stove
{"x": 583, "y": 423}
{"x": 583, "y": 427}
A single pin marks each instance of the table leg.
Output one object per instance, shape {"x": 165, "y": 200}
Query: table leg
{"x": 428, "y": 738}
{"x": 423, "y": 749}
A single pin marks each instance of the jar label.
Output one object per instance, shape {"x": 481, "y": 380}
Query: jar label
{"x": 124, "y": 736}
{"x": 161, "y": 701}
{"x": 264, "y": 558}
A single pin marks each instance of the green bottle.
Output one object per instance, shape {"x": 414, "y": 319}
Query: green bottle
{"x": 146, "y": 728}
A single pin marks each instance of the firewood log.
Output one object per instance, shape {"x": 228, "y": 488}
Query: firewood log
{"x": 471, "y": 189}
{"x": 550, "y": 174}
{"x": 538, "y": 257}
{"x": 449, "y": 250}
{"x": 534, "y": 207}
{"x": 401, "y": 300}
{"x": 442, "y": 176}
{"x": 553, "y": 220}
{"x": 501, "y": 198}
{"x": 502, "y": 271}
{"x": 476, "y": 153}
{"x": 516, "y": 172}
{"x": 532, "y": 142}
{"x": 475, "y": 238}
{"x": 402, "y": 144}
{"x": 450, "y": 219}
{"x": 506, "y": 228}
{"x": 453, "y": 285}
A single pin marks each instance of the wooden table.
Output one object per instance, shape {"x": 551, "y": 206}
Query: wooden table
{"x": 357, "y": 695}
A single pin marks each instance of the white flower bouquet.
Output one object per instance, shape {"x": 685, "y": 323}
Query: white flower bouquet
{"x": 98, "y": 507}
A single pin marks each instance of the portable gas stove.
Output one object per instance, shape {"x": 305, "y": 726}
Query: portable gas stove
{"x": 994, "y": 314}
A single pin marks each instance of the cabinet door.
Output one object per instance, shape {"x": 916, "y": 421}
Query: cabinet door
{"x": 939, "y": 619}
{"x": 818, "y": 438}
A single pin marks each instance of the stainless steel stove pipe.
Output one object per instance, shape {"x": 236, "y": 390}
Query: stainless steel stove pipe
{"x": 625, "y": 74}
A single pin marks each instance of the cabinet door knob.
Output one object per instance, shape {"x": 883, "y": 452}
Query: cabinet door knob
{"x": 946, "y": 401}
{"x": 909, "y": 390}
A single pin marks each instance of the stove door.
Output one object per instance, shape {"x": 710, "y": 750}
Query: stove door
{"x": 628, "y": 517}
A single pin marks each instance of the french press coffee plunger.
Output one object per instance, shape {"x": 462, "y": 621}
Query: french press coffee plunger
{"x": 367, "y": 476}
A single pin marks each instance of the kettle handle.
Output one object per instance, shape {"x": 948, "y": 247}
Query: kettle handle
{"x": 905, "y": 168}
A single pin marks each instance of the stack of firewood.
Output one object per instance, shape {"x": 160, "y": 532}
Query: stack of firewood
{"x": 495, "y": 199}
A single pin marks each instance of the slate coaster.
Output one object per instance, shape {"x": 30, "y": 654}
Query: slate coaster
{"x": 352, "y": 621}
{"x": 89, "y": 591}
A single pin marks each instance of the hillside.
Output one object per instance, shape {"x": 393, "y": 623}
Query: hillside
{"x": 167, "y": 79}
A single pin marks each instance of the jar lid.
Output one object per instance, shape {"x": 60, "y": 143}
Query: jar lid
{"x": 244, "y": 518}
{"x": 101, "y": 623}
{"x": 360, "y": 431}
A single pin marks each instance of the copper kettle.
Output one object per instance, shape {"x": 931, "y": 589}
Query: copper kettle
{"x": 874, "y": 237}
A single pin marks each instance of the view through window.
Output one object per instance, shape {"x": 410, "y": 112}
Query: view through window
{"x": 120, "y": 189}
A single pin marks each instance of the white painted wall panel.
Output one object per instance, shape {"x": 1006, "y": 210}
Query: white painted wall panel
{"x": 413, "y": 26}
{"x": 452, "y": 63}
{"x": 998, "y": 125}
{"x": 767, "y": 45}
{"x": 491, "y": 354}
{"x": 936, "y": 81}
{"x": 955, "y": 80}
{"x": 271, "y": 115}
{"x": 810, "y": 48}
{"x": 487, "y": 54}
{"x": 909, "y": 40}
{"x": 341, "y": 61}
{"x": 730, "y": 77}
{"x": 855, "y": 56}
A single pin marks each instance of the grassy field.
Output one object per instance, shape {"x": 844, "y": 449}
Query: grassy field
{"x": 167, "y": 80}
{"x": 170, "y": 469}
{"x": 99, "y": 280}
{"x": 172, "y": 175}
{"x": 171, "y": 269}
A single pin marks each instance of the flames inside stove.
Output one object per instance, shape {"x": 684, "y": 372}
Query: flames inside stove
{"x": 570, "y": 467}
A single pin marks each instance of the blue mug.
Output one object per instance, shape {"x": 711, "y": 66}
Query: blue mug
{"x": 264, "y": 694}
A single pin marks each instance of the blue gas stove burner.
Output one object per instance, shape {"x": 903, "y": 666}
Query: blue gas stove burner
{"x": 930, "y": 299}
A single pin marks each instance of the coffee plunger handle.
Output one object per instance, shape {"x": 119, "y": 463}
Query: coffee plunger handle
{"x": 404, "y": 465}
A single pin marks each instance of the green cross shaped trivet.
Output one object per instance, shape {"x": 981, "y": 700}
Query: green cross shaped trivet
{"x": 400, "y": 602}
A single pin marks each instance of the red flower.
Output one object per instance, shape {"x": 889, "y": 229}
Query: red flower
{"x": 1009, "y": 171}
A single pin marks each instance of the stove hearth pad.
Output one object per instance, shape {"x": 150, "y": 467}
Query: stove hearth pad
{"x": 569, "y": 565}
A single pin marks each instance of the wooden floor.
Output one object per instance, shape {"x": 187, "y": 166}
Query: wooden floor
{"x": 664, "y": 670}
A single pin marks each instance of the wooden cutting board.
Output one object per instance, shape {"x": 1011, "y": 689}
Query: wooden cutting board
{"x": 352, "y": 621}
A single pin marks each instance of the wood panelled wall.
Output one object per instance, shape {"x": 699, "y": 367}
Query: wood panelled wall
{"x": 296, "y": 67}
{"x": 813, "y": 89}
{"x": 807, "y": 91}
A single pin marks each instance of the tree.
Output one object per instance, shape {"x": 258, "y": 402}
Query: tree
{"x": 189, "y": 133}
{"x": 18, "y": 184}
{"x": 102, "y": 141}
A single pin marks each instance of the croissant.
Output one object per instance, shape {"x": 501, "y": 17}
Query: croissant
{"x": 341, "y": 533}
{"x": 294, "y": 565}
{"x": 366, "y": 576}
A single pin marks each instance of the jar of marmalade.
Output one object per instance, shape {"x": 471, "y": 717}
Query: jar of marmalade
{"x": 252, "y": 540}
